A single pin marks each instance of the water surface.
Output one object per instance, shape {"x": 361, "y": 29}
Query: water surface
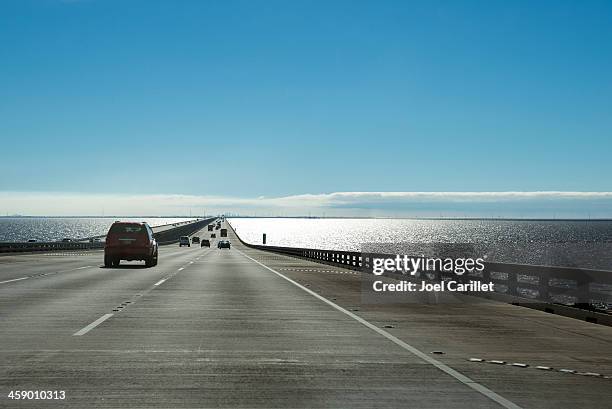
{"x": 586, "y": 243}
{"x": 57, "y": 228}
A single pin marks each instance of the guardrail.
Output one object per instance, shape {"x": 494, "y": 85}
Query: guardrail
{"x": 520, "y": 283}
{"x": 19, "y": 247}
{"x": 167, "y": 236}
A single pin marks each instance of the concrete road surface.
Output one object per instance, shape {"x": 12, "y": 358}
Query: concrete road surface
{"x": 245, "y": 328}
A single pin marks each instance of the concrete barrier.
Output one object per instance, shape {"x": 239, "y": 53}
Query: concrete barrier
{"x": 20, "y": 247}
{"x": 172, "y": 235}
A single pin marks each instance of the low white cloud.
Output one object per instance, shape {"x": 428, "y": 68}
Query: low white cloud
{"x": 330, "y": 204}
{"x": 356, "y": 197}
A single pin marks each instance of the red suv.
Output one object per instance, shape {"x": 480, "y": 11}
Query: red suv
{"x": 130, "y": 241}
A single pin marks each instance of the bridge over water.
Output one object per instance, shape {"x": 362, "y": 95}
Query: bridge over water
{"x": 250, "y": 328}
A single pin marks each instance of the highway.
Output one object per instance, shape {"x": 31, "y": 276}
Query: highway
{"x": 246, "y": 328}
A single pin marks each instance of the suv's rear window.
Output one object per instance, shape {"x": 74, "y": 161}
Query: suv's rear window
{"x": 127, "y": 229}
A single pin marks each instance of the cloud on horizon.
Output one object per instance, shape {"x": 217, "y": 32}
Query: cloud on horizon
{"x": 546, "y": 204}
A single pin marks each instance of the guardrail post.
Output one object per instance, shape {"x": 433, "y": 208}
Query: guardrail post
{"x": 544, "y": 285}
{"x": 583, "y": 288}
{"x": 512, "y": 283}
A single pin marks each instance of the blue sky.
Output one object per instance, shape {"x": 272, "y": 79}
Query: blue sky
{"x": 280, "y": 98}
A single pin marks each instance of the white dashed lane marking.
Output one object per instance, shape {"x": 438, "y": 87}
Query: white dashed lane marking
{"x": 15, "y": 279}
{"x": 91, "y": 326}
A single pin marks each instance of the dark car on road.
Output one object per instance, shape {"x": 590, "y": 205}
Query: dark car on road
{"x": 130, "y": 241}
{"x": 195, "y": 239}
{"x": 224, "y": 244}
{"x": 205, "y": 243}
{"x": 184, "y": 241}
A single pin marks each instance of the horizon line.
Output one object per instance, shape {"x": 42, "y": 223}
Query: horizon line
{"x": 20, "y": 216}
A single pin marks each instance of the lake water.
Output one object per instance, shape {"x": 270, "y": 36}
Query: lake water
{"x": 57, "y": 228}
{"x": 585, "y": 243}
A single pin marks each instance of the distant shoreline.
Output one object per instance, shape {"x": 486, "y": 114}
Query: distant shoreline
{"x": 100, "y": 217}
{"x": 316, "y": 217}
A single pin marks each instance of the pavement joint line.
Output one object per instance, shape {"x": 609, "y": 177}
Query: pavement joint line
{"x": 72, "y": 269}
{"x": 43, "y": 274}
{"x": 91, "y": 326}
{"x": 543, "y": 368}
{"x": 443, "y": 367}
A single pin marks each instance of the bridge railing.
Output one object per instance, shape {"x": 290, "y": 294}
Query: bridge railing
{"x": 549, "y": 284}
{"x": 20, "y": 247}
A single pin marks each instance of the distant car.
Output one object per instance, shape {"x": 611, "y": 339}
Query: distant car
{"x": 66, "y": 240}
{"x": 130, "y": 241}
{"x": 32, "y": 241}
{"x": 223, "y": 244}
{"x": 195, "y": 239}
{"x": 205, "y": 243}
{"x": 213, "y": 236}
{"x": 184, "y": 241}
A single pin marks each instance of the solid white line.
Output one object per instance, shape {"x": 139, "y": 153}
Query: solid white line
{"x": 160, "y": 281}
{"x": 443, "y": 367}
{"x": 15, "y": 279}
{"x": 181, "y": 269}
{"x": 91, "y": 326}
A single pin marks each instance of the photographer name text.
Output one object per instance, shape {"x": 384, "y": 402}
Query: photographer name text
{"x": 424, "y": 286}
